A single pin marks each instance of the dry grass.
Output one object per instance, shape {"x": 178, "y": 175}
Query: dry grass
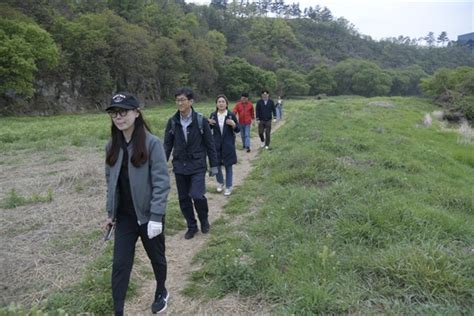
{"x": 466, "y": 133}
{"x": 427, "y": 120}
{"x": 45, "y": 246}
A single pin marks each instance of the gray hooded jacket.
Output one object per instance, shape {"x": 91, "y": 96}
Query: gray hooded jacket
{"x": 149, "y": 183}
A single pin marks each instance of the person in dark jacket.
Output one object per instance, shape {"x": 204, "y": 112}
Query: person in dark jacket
{"x": 265, "y": 108}
{"x": 190, "y": 142}
{"x": 224, "y": 126}
{"x": 138, "y": 184}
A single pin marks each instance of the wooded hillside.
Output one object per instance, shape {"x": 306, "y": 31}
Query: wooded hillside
{"x": 65, "y": 56}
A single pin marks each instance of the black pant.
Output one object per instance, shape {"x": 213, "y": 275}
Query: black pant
{"x": 191, "y": 188}
{"x": 265, "y": 126}
{"x": 127, "y": 232}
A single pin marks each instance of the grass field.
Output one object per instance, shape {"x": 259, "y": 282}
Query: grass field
{"x": 357, "y": 209}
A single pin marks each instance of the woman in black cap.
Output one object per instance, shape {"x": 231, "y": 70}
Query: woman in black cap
{"x": 137, "y": 190}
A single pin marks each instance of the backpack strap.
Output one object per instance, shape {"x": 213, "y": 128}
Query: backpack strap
{"x": 200, "y": 117}
{"x": 173, "y": 126}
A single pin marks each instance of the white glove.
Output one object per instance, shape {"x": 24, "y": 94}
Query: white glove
{"x": 154, "y": 229}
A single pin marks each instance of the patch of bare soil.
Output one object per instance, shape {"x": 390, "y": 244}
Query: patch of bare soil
{"x": 39, "y": 244}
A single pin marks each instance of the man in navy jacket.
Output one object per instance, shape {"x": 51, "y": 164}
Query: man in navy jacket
{"x": 190, "y": 142}
{"x": 265, "y": 108}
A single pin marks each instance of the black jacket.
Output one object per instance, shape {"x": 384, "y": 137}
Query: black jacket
{"x": 189, "y": 157}
{"x": 225, "y": 142}
{"x": 264, "y": 112}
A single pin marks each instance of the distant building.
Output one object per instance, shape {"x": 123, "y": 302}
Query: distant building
{"x": 467, "y": 40}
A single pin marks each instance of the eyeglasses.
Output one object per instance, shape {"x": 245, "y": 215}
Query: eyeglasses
{"x": 181, "y": 100}
{"x": 121, "y": 113}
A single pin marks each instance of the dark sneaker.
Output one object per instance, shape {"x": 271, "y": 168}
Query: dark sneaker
{"x": 248, "y": 149}
{"x": 205, "y": 227}
{"x": 190, "y": 233}
{"x": 160, "y": 303}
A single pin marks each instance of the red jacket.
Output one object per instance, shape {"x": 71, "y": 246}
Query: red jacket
{"x": 245, "y": 112}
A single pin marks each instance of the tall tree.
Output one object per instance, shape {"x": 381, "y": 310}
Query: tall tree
{"x": 430, "y": 39}
{"x": 294, "y": 10}
{"x": 443, "y": 38}
{"x": 26, "y": 49}
{"x": 290, "y": 82}
{"x": 321, "y": 80}
{"x": 219, "y": 4}
{"x": 326, "y": 15}
{"x": 278, "y": 7}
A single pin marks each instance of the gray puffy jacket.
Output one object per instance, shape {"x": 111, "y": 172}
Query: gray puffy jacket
{"x": 149, "y": 183}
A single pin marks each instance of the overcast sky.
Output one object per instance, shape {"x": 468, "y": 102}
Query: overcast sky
{"x": 390, "y": 18}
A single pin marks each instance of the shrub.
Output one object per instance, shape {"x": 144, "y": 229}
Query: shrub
{"x": 452, "y": 89}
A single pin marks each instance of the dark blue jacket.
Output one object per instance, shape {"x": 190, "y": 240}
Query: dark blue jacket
{"x": 225, "y": 142}
{"x": 189, "y": 157}
{"x": 264, "y": 112}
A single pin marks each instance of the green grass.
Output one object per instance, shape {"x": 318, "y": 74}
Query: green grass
{"x": 49, "y": 139}
{"x": 33, "y": 134}
{"x": 357, "y": 209}
{"x": 13, "y": 199}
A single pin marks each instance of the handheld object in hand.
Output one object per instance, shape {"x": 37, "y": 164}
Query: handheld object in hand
{"x": 109, "y": 232}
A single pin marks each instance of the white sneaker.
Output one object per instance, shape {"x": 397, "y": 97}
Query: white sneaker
{"x": 266, "y": 147}
{"x": 219, "y": 187}
{"x": 262, "y": 145}
{"x": 228, "y": 191}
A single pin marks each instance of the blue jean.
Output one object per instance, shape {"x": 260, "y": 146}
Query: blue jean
{"x": 245, "y": 134}
{"x": 228, "y": 176}
{"x": 279, "y": 113}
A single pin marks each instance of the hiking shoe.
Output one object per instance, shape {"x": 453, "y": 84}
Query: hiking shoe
{"x": 205, "y": 227}
{"x": 228, "y": 191}
{"x": 262, "y": 145}
{"x": 160, "y": 303}
{"x": 191, "y": 232}
{"x": 219, "y": 187}
{"x": 248, "y": 149}
{"x": 266, "y": 147}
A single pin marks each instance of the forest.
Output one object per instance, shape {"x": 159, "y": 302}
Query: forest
{"x": 70, "y": 56}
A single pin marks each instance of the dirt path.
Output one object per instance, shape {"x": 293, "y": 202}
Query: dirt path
{"x": 180, "y": 253}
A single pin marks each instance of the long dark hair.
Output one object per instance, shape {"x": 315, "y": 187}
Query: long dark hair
{"x": 140, "y": 153}
{"x": 223, "y": 97}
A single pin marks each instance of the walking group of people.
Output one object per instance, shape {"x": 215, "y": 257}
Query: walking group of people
{"x": 138, "y": 181}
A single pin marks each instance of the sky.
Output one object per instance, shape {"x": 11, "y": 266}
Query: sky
{"x": 391, "y": 18}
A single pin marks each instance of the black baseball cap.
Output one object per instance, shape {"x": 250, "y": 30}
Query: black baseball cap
{"x": 124, "y": 100}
